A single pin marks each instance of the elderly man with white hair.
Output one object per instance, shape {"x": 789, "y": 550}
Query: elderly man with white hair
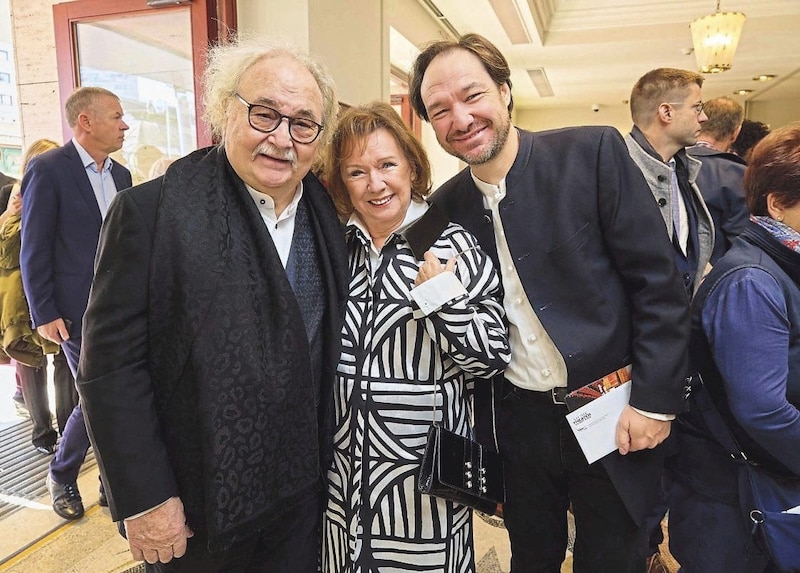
{"x": 212, "y": 330}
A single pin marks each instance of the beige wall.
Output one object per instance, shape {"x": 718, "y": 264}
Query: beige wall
{"x": 618, "y": 116}
{"x": 413, "y": 21}
{"x": 37, "y": 75}
{"x": 275, "y": 18}
{"x": 775, "y": 113}
{"x": 349, "y": 36}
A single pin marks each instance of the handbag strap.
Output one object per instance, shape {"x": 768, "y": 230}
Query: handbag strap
{"x": 421, "y": 235}
{"x": 494, "y": 418}
{"x": 716, "y": 424}
{"x": 493, "y": 409}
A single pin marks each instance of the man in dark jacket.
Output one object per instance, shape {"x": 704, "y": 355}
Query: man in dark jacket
{"x": 213, "y": 329}
{"x": 667, "y": 113}
{"x": 722, "y": 173}
{"x": 589, "y": 286}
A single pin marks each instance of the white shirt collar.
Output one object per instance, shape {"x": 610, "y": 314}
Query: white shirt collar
{"x": 86, "y": 159}
{"x": 266, "y": 204}
{"x": 491, "y": 193}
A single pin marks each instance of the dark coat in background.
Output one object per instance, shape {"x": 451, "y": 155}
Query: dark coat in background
{"x": 721, "y": 183}
{"x": 60, "y": 226}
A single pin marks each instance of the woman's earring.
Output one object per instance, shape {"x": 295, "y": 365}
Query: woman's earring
{"x": 779, "y": 218}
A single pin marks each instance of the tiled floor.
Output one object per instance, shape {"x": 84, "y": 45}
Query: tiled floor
{"x": 33, "y": 539}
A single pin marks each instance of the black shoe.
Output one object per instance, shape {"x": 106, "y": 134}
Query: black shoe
{"x": 102, "y": 500}
{"x": 46, "y": 450}
{"x": 67, "y": 501}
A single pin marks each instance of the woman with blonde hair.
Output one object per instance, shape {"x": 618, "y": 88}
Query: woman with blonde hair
{"x": 19, "y": 342}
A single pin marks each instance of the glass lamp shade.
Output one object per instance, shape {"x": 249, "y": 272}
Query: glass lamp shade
{"x": 715, "y": 38}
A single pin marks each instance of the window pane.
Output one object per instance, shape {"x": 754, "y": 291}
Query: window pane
{"x": 147, "y": 61}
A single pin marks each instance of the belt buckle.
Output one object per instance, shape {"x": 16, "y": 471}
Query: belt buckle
{"x": 559, "y": 394}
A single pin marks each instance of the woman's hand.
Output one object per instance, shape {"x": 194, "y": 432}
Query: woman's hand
{"x": 14, "y": 204}
{"x": 432, "y": 267}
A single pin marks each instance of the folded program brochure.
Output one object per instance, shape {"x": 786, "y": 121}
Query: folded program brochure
{"x": 595, "y": 410}
{"x": 599, "y": 387}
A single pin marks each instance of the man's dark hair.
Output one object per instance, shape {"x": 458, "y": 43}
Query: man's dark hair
{"x": 493, "y": 62}
{"x": 751, "y": 133}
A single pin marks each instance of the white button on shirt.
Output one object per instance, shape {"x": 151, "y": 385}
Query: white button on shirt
{"x": 281, "y": 228}
{"x": 536, "y": 364}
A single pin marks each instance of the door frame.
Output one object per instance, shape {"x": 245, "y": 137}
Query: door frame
{"x": 211, "y": 22}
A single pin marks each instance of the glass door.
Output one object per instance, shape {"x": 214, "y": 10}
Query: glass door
{"x": 152, "y": 59}
{"x": 150, "y": 69}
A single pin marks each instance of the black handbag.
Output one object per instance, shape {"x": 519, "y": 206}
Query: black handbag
{"x": 455, "y": 468}
{"x": 459, "y": 469}
{"x": 763, "y": 497}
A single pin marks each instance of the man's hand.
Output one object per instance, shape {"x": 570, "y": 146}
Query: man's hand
{"x": 55, "y": 331}
{"x": 637, "y": 432}
{"x": 160, "y": 534}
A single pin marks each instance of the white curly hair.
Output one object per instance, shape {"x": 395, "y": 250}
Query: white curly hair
{"x": 227, "y": 63}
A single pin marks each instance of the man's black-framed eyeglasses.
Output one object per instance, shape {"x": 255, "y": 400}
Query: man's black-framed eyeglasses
{"x": 266, "y": 120}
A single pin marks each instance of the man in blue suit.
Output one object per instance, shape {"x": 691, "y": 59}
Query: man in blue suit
{"x": 65, "y": 196}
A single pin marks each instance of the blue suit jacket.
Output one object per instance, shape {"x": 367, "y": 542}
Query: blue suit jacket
{"x": 60, "y": 228}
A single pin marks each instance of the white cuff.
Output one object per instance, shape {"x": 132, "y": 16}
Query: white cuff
{"x": 655, "y": 416}
{"x": 146, "y": 511}
{"x": 435, "y": 292}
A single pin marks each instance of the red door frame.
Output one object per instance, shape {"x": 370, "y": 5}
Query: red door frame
{"x": 211, "y": 21}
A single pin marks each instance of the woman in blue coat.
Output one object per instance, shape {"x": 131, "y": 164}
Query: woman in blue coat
{"x": 746, "y": 346}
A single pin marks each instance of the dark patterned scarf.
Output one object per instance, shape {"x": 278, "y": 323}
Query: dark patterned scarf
{"x": 778, "y": 240}
{"x": 230, "y": 354}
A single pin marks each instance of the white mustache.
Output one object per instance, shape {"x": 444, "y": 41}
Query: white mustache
{"x": 267, "y": 148}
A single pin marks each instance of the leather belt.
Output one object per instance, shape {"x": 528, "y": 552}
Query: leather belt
{"x": 554, "y": 396}
{"x": 559, "y": 394}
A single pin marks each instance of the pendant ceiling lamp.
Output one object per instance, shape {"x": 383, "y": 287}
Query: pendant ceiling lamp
{"x": 715, "y": 38}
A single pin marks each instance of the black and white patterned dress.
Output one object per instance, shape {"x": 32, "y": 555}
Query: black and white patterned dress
{"x": 376, "y": 520}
